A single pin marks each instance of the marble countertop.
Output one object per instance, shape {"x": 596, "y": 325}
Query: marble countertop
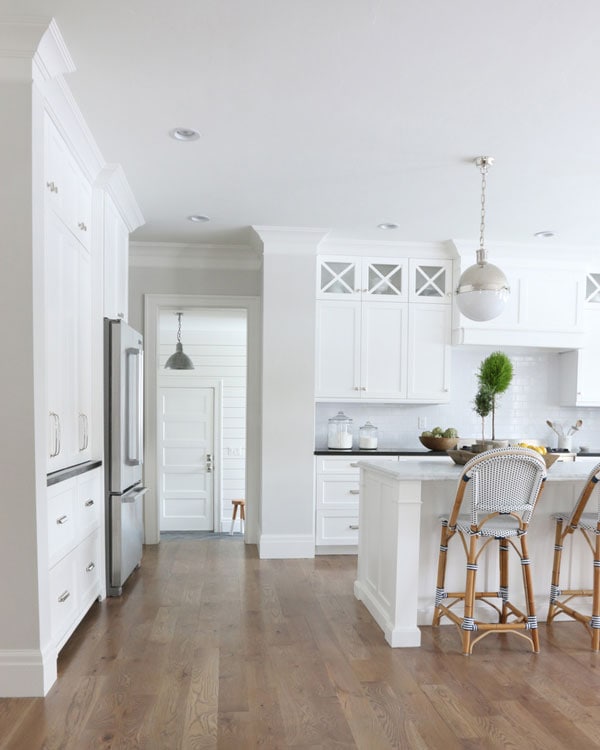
{"x": 428, "y": 471}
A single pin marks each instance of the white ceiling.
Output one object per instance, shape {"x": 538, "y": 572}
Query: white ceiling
{"x": 341, "y": 114}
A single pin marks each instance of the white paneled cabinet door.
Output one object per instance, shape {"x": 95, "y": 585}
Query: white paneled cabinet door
{"x": 116, "y": 262}
{"x": 383, "y": 350}
{"x": 429, "y": 353}
{"x": 338, "y": 350}
{"x": 84, "y": 357}
{"x": 61, "y": 289}
{"x": 186, "y": 450}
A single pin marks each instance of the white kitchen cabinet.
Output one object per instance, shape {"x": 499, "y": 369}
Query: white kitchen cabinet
{"x": 68, "y": 304}
{"x": 429, "y": 355}
{"x": 372, "y": 344}
{"x": 580, "y": 368}
{"x": 116, "y": 261}
{"x": 68, "y": 192}
{"x": 361, "y": 350}
{"x": 338, "y": 495}
{"x": 375, "y": 279}
{"x": 75, "y": 551}
{"x": 430, "y": 281}
{"x": 544, "y": 309}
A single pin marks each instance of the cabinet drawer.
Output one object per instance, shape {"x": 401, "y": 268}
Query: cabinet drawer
{"x": 89, "y": 503}
{"x": 63, "y": 595}
{"x": 336, "y": 491}
{"x": 62, "y": 520}
{"x": 336, "y": 528}
{"x": 90, "y": 564}
{"x": 346, "y": 464}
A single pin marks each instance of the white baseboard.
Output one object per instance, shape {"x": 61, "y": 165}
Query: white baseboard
{"x": 26, "y": 673}
{"x": 397, "y": 636}
{"x": 286, "y": 546}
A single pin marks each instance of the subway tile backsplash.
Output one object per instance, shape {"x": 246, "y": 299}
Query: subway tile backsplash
{"x": 521, "y": 413}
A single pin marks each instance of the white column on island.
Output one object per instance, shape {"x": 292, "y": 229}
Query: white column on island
{"x": 388, "y": 554}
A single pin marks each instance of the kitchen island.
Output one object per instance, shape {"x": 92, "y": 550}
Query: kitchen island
{"x": 400, "y": 506}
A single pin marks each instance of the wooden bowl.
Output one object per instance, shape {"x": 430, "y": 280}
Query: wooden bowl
{"x": 439, "y": 443}
{"x": 461, "y": 457}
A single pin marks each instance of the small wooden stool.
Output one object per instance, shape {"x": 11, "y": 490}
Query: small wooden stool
{"x": 241, "y": 504}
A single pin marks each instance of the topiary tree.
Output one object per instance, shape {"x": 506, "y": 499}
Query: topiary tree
{"x": 495, "y": 375}
{"x": 483, "y": 403}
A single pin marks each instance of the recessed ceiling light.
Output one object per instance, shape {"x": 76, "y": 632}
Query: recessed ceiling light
{"x": 387, "y": 225}
{"x": 184, "y": 134}
{"x": 546, "y": 233}
{"x": 198, "y": 218}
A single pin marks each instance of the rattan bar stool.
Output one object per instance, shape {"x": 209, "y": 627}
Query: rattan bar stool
{"x": 589, "y": 526}
{"x": 500, "y": 489}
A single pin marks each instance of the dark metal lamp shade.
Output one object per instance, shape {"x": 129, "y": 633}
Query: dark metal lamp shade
{"x": 179, "y": 360}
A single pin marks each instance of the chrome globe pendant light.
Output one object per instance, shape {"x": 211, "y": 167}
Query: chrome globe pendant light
{"x": 483, "y": 289}
{"x": 179, "y": 360}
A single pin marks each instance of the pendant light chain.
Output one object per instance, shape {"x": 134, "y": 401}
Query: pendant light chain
{"x": 179, "y": 328}
{"x": 484, "y": 170}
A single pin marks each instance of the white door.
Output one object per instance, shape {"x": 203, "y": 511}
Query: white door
{"x": 186, "y": 454}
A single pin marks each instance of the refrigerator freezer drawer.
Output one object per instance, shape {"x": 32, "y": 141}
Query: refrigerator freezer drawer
{"x": 126, "y": 537}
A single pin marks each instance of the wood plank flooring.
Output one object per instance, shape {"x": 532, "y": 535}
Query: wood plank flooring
{"x": 211, "y": 647}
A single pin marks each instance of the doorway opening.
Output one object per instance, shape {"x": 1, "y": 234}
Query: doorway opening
{"x": 201, "y": 420}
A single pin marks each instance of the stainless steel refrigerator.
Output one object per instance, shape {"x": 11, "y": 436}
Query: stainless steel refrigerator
{"x": 124, "y": 452}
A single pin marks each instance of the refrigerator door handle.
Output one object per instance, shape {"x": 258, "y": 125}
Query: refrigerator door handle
{"x": 134, "y": 407}
{"x": 132, "y": 495}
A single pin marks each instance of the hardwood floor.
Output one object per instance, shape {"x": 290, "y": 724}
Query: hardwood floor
{"x": 213, "y": 648}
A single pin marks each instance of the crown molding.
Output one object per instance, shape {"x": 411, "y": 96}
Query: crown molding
{"x": 112, "y": 179}
{"x": 288, "y": 240}
{"x": 32, "y": 46}
{"x": 386, "y": 248}
{"x": 529, "y": 254}
{"x": 180, "y": 255}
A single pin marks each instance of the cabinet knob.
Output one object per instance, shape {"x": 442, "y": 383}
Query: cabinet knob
{"x": 89, "y": 503}
{"x": 82, "y": 226}
{"x": 363, "y": 388}
{"x": 52, "y": 187}
{"x": 62, "y": 520}
{"x": 353, "y": 526}
{"x": 354, "y": 492}
{"x": 90, "y": 567}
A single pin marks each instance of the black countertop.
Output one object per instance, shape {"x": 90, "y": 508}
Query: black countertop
{"x": 416, "y": 453}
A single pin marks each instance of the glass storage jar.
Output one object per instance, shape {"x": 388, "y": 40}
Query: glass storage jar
{"x": 367, "y": 437}
{"x": 339, "y": 432}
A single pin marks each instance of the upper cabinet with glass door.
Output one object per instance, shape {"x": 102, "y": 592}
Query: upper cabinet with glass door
{"x": 376, "y": 279}
{"x": 592, "y": 291}
{"x": 431, "y": 281}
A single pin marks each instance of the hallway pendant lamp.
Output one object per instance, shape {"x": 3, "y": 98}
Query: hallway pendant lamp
{"x": 483, "y": 289}
{"x": 179, "y": 360}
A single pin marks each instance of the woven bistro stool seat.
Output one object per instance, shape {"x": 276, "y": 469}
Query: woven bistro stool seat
{"x": 241, "y": 504}
{"x": 499, "y": 489}
{"x": 588, "y": 526}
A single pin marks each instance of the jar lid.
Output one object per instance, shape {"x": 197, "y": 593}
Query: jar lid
{"x": 340, "y": 417}
{"x": 368, "y": 424}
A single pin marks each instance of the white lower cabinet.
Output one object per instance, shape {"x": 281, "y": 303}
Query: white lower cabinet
{"x": 338, "y": 494}
{"x": 75, "y": 551}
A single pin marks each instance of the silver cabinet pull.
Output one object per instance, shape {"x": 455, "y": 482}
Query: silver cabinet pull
{"x": 209, "y": 463}
{"x": 62, "y": 520}
{"x": 55, "y": 434}
{"x": 90, "y": 567}
{"x": 52, "y": 187}
{"x": 354, "y": 465}
{"x": 83, "y": 432}
{"x": 64, "y": 596}
{"x": 82, "y": 226}
{"x": 120, "y": 315}
{"x": 354, "y": 492}
{"x": 353, "y": 526}
{"x": 88, "y": 503}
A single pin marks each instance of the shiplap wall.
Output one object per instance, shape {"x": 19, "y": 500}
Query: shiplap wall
{"x": 215, "y": 340}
